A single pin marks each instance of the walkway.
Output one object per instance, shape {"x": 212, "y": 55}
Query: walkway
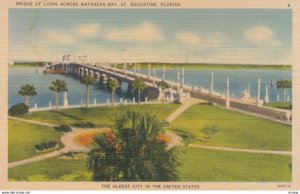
{"x": 35, "y": 159}
{"x": 187, "y": 102}
{"x": 32, "y": 122}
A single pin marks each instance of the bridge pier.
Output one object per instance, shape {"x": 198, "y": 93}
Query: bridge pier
{"x": 149, "y": 70}
{"x": 91, "y": 73}
{"x": 134, "y": 69}
{"x": 164, "y": 73}
{"x": 178, "y": 81}
{"x": 227, "y": 96}
{"x": 266, "y": 95}
{"x": 97, "y": 75}
{"x": 258, "y": 92}
{"x": 182, "y": 78}
{"x": 154, "y": 78}
{"x": 65, "y": 103}
{"x": 249, "y": 92}
{"x": 212, "y": 84}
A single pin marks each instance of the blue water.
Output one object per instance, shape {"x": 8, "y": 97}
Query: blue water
{"x": 239, "y": 80}
{"x": 76, "y": 91}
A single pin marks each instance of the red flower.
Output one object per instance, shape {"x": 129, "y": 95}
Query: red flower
{"x": 110, "y": 137}
{"x": 163, "y": 138}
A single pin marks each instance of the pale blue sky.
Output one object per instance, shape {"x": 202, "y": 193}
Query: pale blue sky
{"x": 250, "y": 36}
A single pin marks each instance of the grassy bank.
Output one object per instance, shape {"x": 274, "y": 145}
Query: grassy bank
{"x": 210, "y": 165}
{"x": 207, "y": 66}
{"x": 235, "y": 129}
{"x": 196, "y": 165}
{"x": 282, "y": 105}
{"x": 22, "y": 137}
{"x": 54, "y": 169}
{"x": 100, "y": 116}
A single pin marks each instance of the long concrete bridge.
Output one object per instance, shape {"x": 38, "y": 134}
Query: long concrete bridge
{"x": 102, "y": 73}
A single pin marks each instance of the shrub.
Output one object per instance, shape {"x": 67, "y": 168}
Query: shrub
{"x": 63, "y": 128}
{"x": 84, "y": 125}
{"x": 209, "y": 131}
{"x": 18, "y": 109}
{"x": 45, "y": 146}
{"x": 207, "y": 103}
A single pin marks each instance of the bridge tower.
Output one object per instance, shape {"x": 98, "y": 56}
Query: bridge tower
{"x": 84, "y": 59}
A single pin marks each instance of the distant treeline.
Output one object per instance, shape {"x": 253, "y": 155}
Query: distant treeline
{"x": 208, "y": 66}
{"x": 34, "y": 64}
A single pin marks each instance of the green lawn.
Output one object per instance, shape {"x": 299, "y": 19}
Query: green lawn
{"x": 210, "y": 165}
{"x": 196, "y": 165}
{"x": 235, "y": 129}
{"x": 22, "y": 137}
{"x": 100, "y": 116}
{"x": 282, "y": 105}
{"x": 54, "y": 169}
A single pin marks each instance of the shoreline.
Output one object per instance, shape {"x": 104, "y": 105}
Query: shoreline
{"x": 209, "y": 66}
{"x": 189, "y": 66}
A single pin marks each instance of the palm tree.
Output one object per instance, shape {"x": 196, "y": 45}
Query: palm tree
{"x": 138, "y": 84}
{"x": 284, "y": 84}
{"x": 87, "y": 80}
{"x": 163, "y": 85}
{"x": 136, "y": 150}
{"x": 58, "y": 86}
{"x": 113, "y": 84}
{"x": 27, "y": 90}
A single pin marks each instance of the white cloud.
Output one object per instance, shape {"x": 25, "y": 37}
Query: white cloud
{"x": 215, "y": 39}
{"x": 261, "y": 35}
{"x": 89, "y": 30}
{"x": 145, "y": 32}
{"x": 59, "y": 37}
{"x": 188, "y": 37}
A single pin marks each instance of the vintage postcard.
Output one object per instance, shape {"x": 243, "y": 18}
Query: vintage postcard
{"x": 180, "y": 95}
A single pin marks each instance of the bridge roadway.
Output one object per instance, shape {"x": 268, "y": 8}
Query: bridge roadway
{"x": 246, "y": 106}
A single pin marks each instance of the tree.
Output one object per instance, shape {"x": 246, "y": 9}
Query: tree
{"x": 58, "y": 86}
{"x": 134, "y": 151}
{"x": 163, "y": 85}
{"x": 27, "y": 90}
{"x": 138, "y": 84}
{"x": 18, "y": 109}
{"x": 87, "y": 80}
{"x": 284, "y": 84}
{"x": 113, "y": 84}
